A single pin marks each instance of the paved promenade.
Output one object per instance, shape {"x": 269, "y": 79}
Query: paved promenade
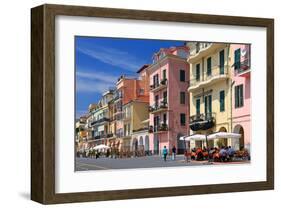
{"x": 83, "y": 164}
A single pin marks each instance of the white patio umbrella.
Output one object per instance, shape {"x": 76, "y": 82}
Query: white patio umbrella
{"x": 101, "y": 146}
{"x": 219, "y": 135}
{"x": 195, "y": 137}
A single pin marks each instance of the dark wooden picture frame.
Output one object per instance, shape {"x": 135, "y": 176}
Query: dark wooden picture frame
{"x": 43, "y": 103}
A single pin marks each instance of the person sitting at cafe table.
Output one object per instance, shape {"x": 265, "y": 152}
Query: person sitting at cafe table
{"x": 230, "y": 152}
{"x": 223, "y": 154}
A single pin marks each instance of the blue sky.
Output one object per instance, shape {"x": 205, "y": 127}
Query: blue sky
{"x": 100, "y": 61}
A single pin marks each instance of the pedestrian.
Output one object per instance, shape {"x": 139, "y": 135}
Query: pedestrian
{"x": 174, "y": 151}
{"x": 165, "y": 153}
{"x": 187, "y": 156}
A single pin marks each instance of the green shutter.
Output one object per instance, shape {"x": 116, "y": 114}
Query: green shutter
{"x": 237, "y": 55}
{"x": 235, "y": 97}
{"x": 222, "y": 62}
{"x": 182, "y": 97}
{"x": 197, "y": 106}
{"x": 210, "y": 103}
{"x": 182, "y": 75}
{"x": 241, "y": 96}
{"x": 222, "y": 98}
{"x": 209, "y": 66}
{"x": 198, "y": 72}
{"x": 164, "y": 74}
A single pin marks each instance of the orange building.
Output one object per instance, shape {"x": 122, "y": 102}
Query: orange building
{"x": 127, "y": 90}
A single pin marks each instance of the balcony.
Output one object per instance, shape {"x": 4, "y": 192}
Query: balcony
{"x": 126, "y": 117}
{"x": 141, "y": 129}
{"x": 103, "y": 136}
{"x": 118, "y": 115}
{"x": 100, "y": 121}
{"x": 117, "y": 97}
{"x": 158, "y": 129}
{"x": 218, "y": 73}
{"x": 204, "y": 50}
{"x": 156, "y": 108}
{"x": 202, "y": 121}
{"x": 159, "y": 86}
{"x": 243, "y": 68}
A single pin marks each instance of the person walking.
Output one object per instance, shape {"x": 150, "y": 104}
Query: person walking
{"x": 165, "y": 153}
{"x": 174, "y": 151}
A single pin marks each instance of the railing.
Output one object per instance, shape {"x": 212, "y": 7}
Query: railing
{"x": 202, "y": 121}
{"x": 159, "y": 128}
{"x": 118, "y": 115}
{"x": 199, "y": 48}
{"x": 202, "y": 116}
{"x": 215, "y": 72}
{"x": 241, "y": 67}
{"x": 105, "y": 119}
{"x": 162, "y": 83}
{"x": 141, "y": 129}
{"x": 156, "y": 106}
{"x": 102, "y": 136}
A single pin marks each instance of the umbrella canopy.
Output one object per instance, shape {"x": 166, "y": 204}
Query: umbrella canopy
{"x": 195, "y": 137}
{"x": 101, "y": 146}
{"x": 219, "y": 135}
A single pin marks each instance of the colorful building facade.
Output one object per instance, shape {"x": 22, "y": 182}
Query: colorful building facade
{"x": 168, "y": 99}
{"x": 100, "y": 123}
{"x": 210, "y": 91}
{"x": 131, "y": 95}
{"x": 241, "y": 96}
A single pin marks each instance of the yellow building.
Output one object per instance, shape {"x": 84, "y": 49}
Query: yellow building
{"x": 100, "y": 120}
{"x": 134, "y": 113}
{"x": 210, "y": 91}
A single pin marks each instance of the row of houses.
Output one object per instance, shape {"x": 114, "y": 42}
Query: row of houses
{"x": 198, "y": 88}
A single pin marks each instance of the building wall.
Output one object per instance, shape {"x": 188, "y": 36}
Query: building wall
{"x": 223, "y": 119}
{"x": 139, "y": 114}
{"x": 173, "y": 66}
{"x": 242, "y": 115}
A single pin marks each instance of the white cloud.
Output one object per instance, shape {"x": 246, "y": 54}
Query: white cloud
{"x": 92, "y": 86}
{"x": 113, "y": 57}
{"x": 96, "y": 76}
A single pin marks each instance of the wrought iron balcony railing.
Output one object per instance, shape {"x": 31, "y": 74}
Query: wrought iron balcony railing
{"x": 202, "y": 121}
{"x": 157, "y": 86}
{"x": 158, "y": 107}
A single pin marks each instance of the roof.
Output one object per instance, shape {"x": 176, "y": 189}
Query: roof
{"x": 142, "y": 68}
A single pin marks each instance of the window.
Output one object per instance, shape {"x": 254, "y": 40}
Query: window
{"x": 197, "y": 106}
{"x": 222, "y": 62}
{"x": 165, "y": 118}
{"x": 156, "y": 123}
{"x": 156, "y": 80}
{"x": 156, "y": 98}
{"x": 208, "y": 105}
{"x": 182, "y": 119}
{"x": 237, "y": 55}
{"x": 239, "y": 100}
{"x": 182, "y": 75}
{"x": 164, "y": 74}
{"x": 165, "y": 97}
{"x": 182, "y": 97}
{"x": 222, "y": 106}
{"x": 141, "y": 91}
{"x": 197, "y": 72}
{"x": 197, "y": 47}
{"x": 209, "y": 66}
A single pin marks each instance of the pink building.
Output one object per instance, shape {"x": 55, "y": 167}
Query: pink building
{"x": 241, "y": 96}
{"x": 168, "y": 99}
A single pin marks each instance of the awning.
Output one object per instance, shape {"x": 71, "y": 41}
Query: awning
{"x": 195, "y": 137}
{"x": 220, "y": 135}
